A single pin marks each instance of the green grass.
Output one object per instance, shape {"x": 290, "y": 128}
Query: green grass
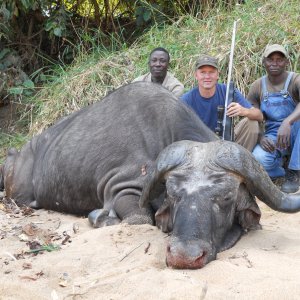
{"x": 10, "y": 140}
{"x": 91, "y": 77}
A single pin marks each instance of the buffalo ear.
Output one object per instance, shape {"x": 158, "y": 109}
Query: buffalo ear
{"x": 168, "y": 159}
{"x": 249, "y": 218}
{"x": 163, "y": 218}
{"x": 247, "y": 211}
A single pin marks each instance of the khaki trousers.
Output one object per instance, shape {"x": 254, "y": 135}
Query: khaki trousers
{"x": 246, "y": 133}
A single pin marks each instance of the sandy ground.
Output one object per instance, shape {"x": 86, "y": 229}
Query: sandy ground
{"x": 128, "y": 262}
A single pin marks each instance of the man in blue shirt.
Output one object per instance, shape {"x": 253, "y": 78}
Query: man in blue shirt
{"x": 209, "y": 94}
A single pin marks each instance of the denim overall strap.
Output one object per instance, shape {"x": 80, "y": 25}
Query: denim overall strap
{"x": 288, "y": 80}
{"x": 287, "y": 83}
{"x": 285, "y": 88}
{"x": 264, "y": 88}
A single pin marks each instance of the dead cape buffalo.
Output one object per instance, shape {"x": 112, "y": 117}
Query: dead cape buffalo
{"x": 99, "y": 159}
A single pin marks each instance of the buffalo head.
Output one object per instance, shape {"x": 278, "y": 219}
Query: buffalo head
{"x": 209, "y": 198}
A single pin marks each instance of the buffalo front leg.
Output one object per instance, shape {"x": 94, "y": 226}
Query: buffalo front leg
{"x": 128, "y": 210}
{"x": 124, "y": 209}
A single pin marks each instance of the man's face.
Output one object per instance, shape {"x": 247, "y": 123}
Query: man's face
{"x": 158, "y": 63}
{"x": 207, "y": 77}
{"x": 275, "y": 63}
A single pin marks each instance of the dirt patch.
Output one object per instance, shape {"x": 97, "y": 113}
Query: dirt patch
{"x": 74, "y": 261}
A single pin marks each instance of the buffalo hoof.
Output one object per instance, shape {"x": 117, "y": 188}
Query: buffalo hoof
{"x": 102, "y": 217}
{"x": 34, "y": 205}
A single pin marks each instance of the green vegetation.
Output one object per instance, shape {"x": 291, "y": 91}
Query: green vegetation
{"x": 91, "y": 76}
{"x": 10, "y": 140}
{"x": 37, "y": 35}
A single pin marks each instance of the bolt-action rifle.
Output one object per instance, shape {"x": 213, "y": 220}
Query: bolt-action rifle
{"x": 225, "y": 124}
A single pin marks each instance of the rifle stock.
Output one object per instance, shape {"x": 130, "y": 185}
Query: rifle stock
{"x": 228, "y": 135}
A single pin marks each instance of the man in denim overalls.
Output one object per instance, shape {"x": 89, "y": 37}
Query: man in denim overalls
{"x": 278, "y": 96}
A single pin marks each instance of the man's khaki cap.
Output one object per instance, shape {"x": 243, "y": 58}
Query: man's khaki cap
{"x": 206, "y": 60}
{"x": 274, "y": 48}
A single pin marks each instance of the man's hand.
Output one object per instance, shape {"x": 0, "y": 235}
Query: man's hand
{"x": 234, "y": 109}
{"x": 267, "y": 144}
{"x": 283, "y": 136}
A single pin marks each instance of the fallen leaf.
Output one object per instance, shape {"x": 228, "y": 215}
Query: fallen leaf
{"x": 27, "y": 265}
{"x": 23, "y": 237}
{"x": 63, "y": 283}
{"x": 30, "y": 229}
{"x": 66, "y": 239}
{"x": 75, "y": 227}
{"x": 2, "y": 207}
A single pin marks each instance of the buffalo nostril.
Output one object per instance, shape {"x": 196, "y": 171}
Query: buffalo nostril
{"x": 199, "y": 259}
{"x": 168, "y": 249}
